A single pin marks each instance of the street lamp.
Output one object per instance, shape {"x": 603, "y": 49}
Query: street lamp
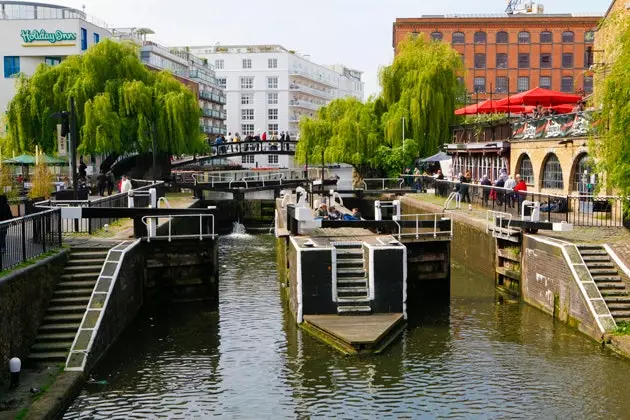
{"x": 69, "y": 126}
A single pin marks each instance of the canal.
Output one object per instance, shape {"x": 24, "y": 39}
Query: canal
{"x": 472, "y": 357}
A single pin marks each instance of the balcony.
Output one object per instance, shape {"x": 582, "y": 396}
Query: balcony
{"x": 213, "y": 113}
{"x": 220, "y": 99}
{"x": 298, "y": 87}
{"x": 295, "y": 71}
{"x": 305, "y": 105}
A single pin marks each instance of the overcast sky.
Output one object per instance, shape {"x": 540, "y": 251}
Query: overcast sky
{"x": 356, "y": 33}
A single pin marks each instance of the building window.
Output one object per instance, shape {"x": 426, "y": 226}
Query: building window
{"x": 545, "y": 61}
{"x": 272, "y": 63}
{"x": 247, "y": 130}
{"x": 222, "y": 82}
{"x": 523, "y": 61}
{"x": 97, "y": 38}
{"x": 247, "y": 63}
{"x": 247, "y": 98}
{"x": 219, "y": 64}
{"x": 480, "y": 37}
{"x": 568, "y": 37}
{"x": 524, "y": 37}
{"x": 248, "y": 158}
{"x": 437, "y": 36}
{"x": 525, "y": 170}
{"x": 272, "y": 82}
{"x": 552, "y": 173}
{"x": 272, "y": 114}
{"x": 52, "y": 61}
{"x": 272, "y": 159}
{"x": 84, "y": 43}
{"x": 459, "y": 38}
{"x": 545, "y": 82}
{"x": 272, "y": 98}
{"x": 583, "y": 176}
{"x": 589, "y": 37}
{"x": 522, "y": 84}
{"x": 272, "y": 128}
{"x": 480, "y": 84}
{"x": 567, "y": 60}
{"x": 11, "y": 66}
{"x": 546, "y": 37}
{"x": 588, "y": 84}
{"x": 247, "y": 114}
{"x": 567, "y": 84}
{"x": 502, "y": 61}
{"x": 502, "y": 37}
{"x": 480, "y": 61}
{"x": 247, "y": 83}
{"x": 501, "y": 85}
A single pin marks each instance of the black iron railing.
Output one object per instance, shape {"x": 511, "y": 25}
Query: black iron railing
{"x": 28, "y": 237}
{"x": 254, "y": 146}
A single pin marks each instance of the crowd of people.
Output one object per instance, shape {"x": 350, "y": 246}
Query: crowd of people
{"x": 262, "y": 141}
{"x": 542, "y": 112}
{"x": 506, "y": 190}
{"x": 325, "y": 213}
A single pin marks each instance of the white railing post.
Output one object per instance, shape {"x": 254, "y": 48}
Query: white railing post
{"x": 435, "y": 225}
{"x": 417, "y": 228}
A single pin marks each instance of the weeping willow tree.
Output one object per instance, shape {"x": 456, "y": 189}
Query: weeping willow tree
{"x": 121, "y": 105}
{"x": 613, "y": 147}
{"x": 420, "y": 86}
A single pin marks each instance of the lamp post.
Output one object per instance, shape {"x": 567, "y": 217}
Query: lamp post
{"x": 403, "y": 133}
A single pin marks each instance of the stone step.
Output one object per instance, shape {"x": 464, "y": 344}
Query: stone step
{"x": 78, "y": 292}
{"x": 63, "y": 318}
{"x": 589, "y": 246}
{"x": 350, "y": 281}
{"x": 83, "y": 269}
{"x": 357, "y": 271}
{"x": 92, "y": 262}
{"x": 620, "y": 306}
{"x": 355, "y": 262}
{"x": 88, "y": 255}
{"x": 353, "y": 300}
{"x": 49, "y": 356}
{"x": 80, "y": 276}
{"x": 353, "y": 309}
{"x": 348, "y": 246}
{"x": 604, "y": 286}
{"x": 620, "y": 313}
{"x": 599, "y": 264}
{"x": 606, "y": 279}
{"x": 352, "y": 289}
{"x": 52, "y": 346}
{"x": 622, "y": 319}
{"x": 349, "y": 253}
{"x": 617, "y": 299}
{"x": 56, "y": 309}
{"x": 76, "y": 284}
{"x": 60, "y": 327}
{"x": 585, "y": 252}
{"x": 603, "y": 272}
{"x": 592, "y": 258}
{"x": 607, "y": 293}
{"x": 65, "y": 336}
{"x": 71, "y": 300}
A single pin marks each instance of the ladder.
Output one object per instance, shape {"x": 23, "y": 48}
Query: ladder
{"x": 351, "y": 289}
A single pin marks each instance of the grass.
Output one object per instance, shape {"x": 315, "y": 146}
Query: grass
{"x": 623, "y": 328}
{"x": 30, "y": 262}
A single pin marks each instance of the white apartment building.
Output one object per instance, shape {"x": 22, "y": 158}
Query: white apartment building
{"x": 269, "y": 88}
{"x": 35, "y": 33}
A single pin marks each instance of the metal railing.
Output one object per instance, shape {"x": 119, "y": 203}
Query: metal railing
{"x": 396, "y": 182}
{"x": 420, "y": 228}
{"x": 28, "y": 237}
{"x": 495, "y": 224}
{"x": 604, "y": 211}
{"x": 253, "y": 147}
{"x": 151, "y": 224}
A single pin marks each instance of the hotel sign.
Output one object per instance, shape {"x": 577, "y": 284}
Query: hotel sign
{"x": 48, "y": 38}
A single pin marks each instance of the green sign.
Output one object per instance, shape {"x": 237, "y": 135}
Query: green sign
{"x": 30, "y": 36}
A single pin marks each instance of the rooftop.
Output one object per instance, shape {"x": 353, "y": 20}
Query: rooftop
{"x": 542, "y": 16}
{"x": 26, "y": 10}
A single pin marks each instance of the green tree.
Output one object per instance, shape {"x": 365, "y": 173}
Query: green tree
{"x": 120, "y": 104}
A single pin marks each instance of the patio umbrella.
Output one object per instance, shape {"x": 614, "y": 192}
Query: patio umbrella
{"x": 51, "y": 160}
{"x": 540, "y": 96}
{"x": 436, "y": 158}
{"x": 490, "y": 107}
{"x": 21, "y": 160}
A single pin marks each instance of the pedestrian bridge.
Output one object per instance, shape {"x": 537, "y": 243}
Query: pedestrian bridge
{"x": 243, "y": 148}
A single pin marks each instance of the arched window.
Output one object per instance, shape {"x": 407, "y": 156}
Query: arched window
{"x": 480, "y": 37}
{"x": 568, "y": 37}
{"x": 525, "y": 169}
{"x": 546, "y": 37}
{"x": 459, "y": 38}
{"x": 524, "y": 37}
{"x": 502, "y": 37}
{"x": 552, "y": 173}
{"x": 437, "y": 36}
{"x": 584, "y": 179}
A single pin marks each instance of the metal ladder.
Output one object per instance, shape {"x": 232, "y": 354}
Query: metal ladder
{"x": 351, "y": 289}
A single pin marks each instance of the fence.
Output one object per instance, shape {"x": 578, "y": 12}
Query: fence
{"x": 605, "y": 211}
{"x": 29, "y": 237}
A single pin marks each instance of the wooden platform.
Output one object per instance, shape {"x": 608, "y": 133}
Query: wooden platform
{"x": 356, "y": 334}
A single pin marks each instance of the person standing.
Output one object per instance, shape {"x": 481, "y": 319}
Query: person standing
{"x": 464, "y": 180}
{"x": 509, "y": 191}
{"x": 520, "y": 190}
{"x": 125, "y": 185}
{"x": 111, "y": 182}
{"x": 101, "y": 182}
{"x": 486, "y": 185}
{"x": 5, "y": 214}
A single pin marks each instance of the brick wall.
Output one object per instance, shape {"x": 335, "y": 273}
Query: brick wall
{"x": 548, "y": 284}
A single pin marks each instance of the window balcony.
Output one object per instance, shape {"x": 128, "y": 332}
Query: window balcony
{"x": 305, "y": 105}
{"x": 296, "y": 71}
{"x": 298, "y": 87}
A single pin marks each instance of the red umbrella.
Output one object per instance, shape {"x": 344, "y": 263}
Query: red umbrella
{"x": 564, "y": 108}
{"x": 489, "y": 107}
{"x": 540, "y": 96}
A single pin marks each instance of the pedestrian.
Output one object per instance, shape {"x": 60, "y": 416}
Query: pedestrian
{"x": 125, "y": 185}
{"x": 487, "y": 186}
{"x": 82, "y": 168}
{"x": 520, "y": 190}
{"x": 509, "y": 191}
{"x": 500, "y": 184}
{"x": 464, "y": 180}
{"x": 416, "y": 179}
{"x": 101, "y": 183}
{"x": 5, "y": 214}
{"x": 111, "y": 182}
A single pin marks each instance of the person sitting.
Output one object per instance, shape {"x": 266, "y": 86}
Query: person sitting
{"x": 322, "y": 212}
{"x": 356, "y": 215}
{"x": 334, "y": 214}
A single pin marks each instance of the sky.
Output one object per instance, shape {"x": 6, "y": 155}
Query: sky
{"x": 356, "y": 33}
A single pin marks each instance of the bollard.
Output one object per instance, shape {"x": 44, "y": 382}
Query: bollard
{"x": 397, "y": 210}
{"x": 378, "y": 213}
{"x": 15, "y": 366}
{"x": 131, "y": 203}
{"x": 153, "y": 198}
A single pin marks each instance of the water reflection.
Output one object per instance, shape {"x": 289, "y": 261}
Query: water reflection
{"x": 471, "y": 357}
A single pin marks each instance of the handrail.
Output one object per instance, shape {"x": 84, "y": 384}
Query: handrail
{"x": 383, "y": 180}
{"x": 491, "y": 222}
{"x": 435, "y": 232}
{"x": 165, "y": 201}
{"x": 147, "y": 222}
{"x": 237, "y": 181}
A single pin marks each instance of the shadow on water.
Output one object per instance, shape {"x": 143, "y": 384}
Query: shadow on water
{"x": 473, "y": 356}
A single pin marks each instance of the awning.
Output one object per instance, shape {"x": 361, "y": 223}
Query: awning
{"x": 436, "y": 158}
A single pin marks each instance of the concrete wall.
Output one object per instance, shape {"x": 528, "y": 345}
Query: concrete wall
{"x": 548, "y": 284}
{"x": 24, "y": 297}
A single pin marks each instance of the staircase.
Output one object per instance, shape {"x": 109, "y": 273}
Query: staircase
{"x": 608, "y": 280}
{"x": 352, "y": 295}
{"x": 69, "y": 302}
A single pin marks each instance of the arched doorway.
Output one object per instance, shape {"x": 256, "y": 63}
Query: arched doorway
{"x": 584, "y": 179}
{"x": 552, "y": 173}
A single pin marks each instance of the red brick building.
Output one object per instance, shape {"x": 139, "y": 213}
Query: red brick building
{"x": 513, "y": 53}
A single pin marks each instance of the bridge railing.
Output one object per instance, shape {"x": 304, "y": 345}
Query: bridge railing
{"x": 215, "y": 177}
{"x": 206, "y": 227}
{"x": 255, "y": 146}
{"x": 415, "y": 225}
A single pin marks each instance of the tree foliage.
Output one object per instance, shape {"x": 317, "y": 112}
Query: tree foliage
{"x": 120, "y": 105}
{"x": 613, "y": 147}
{"x": 42, "y": 180}
{"x": 420, "y": 86}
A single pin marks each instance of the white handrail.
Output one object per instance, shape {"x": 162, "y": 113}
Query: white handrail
{"x": 435, "y": 231}
{"x": 147, "y": 222}
{"x": 383, "y": 180}
{"x": 165, "y": 201}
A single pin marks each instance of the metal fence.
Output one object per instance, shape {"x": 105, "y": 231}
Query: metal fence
{"x": 603, "y": 211}
{"x": 28, "y": 237}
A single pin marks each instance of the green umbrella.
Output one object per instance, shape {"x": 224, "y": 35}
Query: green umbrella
{"x": 21, "y": 160}
{"x": 51, "y": 160}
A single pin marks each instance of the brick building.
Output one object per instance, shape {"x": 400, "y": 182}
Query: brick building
{"x": 513, "y": 53}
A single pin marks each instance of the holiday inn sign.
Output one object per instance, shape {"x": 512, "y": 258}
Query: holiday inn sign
{"x": 31, "y": 36}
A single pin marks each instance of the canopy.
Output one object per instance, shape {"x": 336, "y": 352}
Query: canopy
{"x": 489, "y": 107}
{"x": 30, "y": 160}
{"x": 436, "y": 158}
{"x": 540, "y": 96}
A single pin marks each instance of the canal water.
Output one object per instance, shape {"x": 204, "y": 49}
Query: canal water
{"x": 473, "y": 357}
